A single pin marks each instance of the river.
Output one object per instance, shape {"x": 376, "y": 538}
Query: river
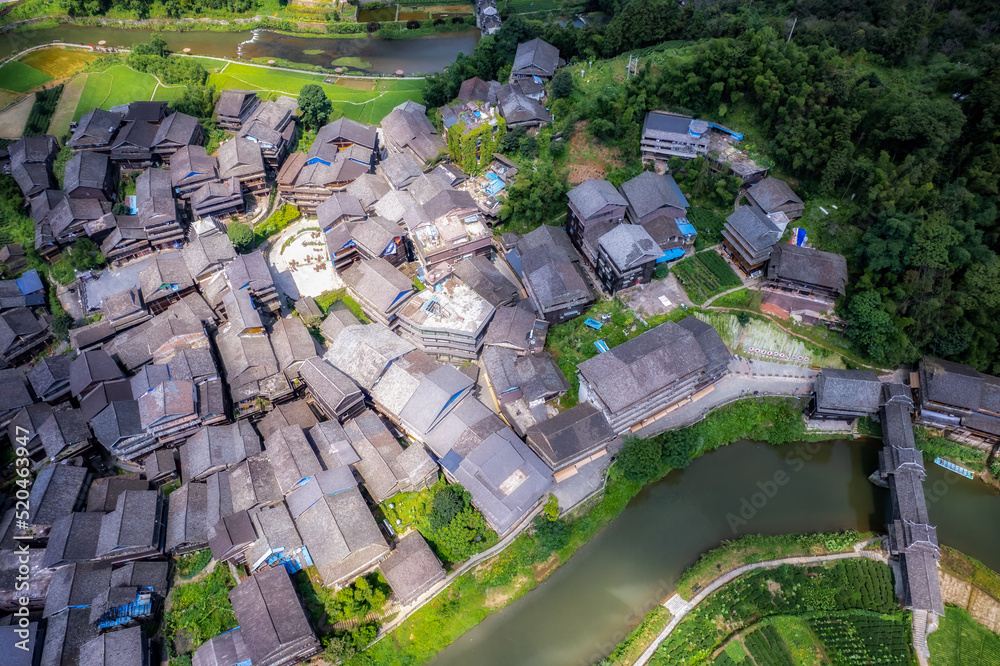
{"x": 587, "y": 606}
{"x": 384, "y": 56}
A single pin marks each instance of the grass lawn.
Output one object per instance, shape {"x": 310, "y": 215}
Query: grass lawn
{"x": 19, "y": 77}
{"x": 117, "y": 85}
{"x": 66, "y": 108}
{"x": 960, "y": 640}
{"x": 58, "y": 62}
{"x": 704, "y": 275}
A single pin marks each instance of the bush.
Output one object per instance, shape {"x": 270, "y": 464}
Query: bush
{"x": 241, "y": 236}
{"x": 190, "y": 564}
{"x": 202, "y": 609}
{"x": 276, "y": 223}
{"x": 639, "y": 460}
{"x": 447, "y": 504}
{"x": 551, "y": 535}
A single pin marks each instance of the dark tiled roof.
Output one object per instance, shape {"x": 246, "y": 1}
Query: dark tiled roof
{"x": 104, "y": 492}
{"x": 505, "y": 478}
{"x": 133, "y": 523}
{"x": 91, "y": 367}
{"x": 412, "y": 568}
{"x": 649, "y": 191}
{"x": 536, "y": 54}
{"x": 118, "y": 421}
{"x": 187, "y": 517}
{"x": 483, "y": 277}
{"x": 592, "y": 195}
{"x": 270, "y": 615}
{"x": 57, "y": 490}
{"x": 771, "y": 193}
{"x": 571, "y": 435}
{"x": 629, "y": 245}
{"x": 802, "y": 264}
{"x": 125, "y": 646}
{"x": 76, "y": 585}
{"x": 548, "y": 264}
{"x": 651, "y": 362}
{"x": 292, "y": 458}
{"x": 226, "y": 649}
{"x": 73, "y": 539}
{"x": 65, "y": 634}
{"x": 86, "y": 169}
{"x": 230, "y": 534}
{"x": 848, "y": 390}
{"x": 754, "y": 227}
{"x": 517, "y": 108}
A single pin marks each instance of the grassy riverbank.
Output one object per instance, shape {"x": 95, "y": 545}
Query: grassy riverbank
{"x": 528, "y": 561}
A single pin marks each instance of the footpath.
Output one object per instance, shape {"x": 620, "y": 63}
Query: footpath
{"x": 679, "y": 609}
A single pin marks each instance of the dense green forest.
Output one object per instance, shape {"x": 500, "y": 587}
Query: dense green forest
{"x": 889, "y": 106}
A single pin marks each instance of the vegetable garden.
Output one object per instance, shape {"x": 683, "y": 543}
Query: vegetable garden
{"x": 849, "y": 608}
{"x": 42, "y": 110}
{"x": 704, "y": 275}
{"x": 709, "y": 225}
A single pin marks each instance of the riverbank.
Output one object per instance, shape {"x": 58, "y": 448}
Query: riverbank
{"x": 391, "y": 30}
{"x": 511, "y": 574}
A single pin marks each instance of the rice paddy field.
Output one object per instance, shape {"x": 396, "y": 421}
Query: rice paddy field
{"x": 18, "y": 77}
{"x": 58, "y": 63}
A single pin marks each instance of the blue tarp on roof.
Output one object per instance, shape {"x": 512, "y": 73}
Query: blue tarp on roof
{"x": 686, "y": 227}
{"x": 495, "y": 184}
{"x": 671, "y": 254}
{"x": 29, "y": 282}
{"x": 451, "y": 461}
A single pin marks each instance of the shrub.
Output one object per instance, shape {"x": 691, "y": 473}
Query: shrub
{"x": 241, "y": 236}
{"x": 639, "y": 460}
{"x": 190, "y": 564}
{"x": 447, "y": 504}
{"x": 551, "y": 535}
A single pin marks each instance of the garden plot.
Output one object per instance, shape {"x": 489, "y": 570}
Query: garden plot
{"x": 761, "y": 339}
{"x": 13, "y": 120}
{"x": 299, "y": 262}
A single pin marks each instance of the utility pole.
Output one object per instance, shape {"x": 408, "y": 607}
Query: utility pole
{"x": 793, "y": 29}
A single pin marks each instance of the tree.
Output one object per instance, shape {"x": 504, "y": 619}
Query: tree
{"x": 198, "y": 101}
{"x": 562, "y": 84}
{"x": 314, "y": 105}
{"x": 639, "y": 459}
{"x": 680, "y": 447}
{"x": 447, "y": 503}
{"x": 241, "y": 236}
{"x": 551, "y": 535}
{"x": 870, "y": 325}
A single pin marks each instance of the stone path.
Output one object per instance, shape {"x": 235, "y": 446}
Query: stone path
{"x": 679, "y": 608}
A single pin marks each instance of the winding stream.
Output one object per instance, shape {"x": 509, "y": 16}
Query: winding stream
{"x": 384, "y": 56}
{"x": 588, "y": 605}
